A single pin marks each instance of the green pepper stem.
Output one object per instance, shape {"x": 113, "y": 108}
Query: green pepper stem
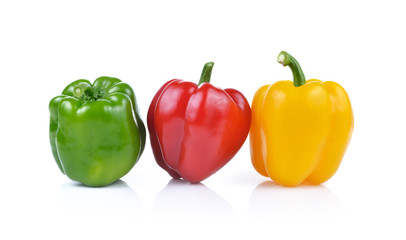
{"x": 206, "y": 73}
{"x": 285, "y": 58}
{"x": 84, "y": 91}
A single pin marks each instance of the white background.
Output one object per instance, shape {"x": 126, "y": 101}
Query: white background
{"x": 45, "y": 45}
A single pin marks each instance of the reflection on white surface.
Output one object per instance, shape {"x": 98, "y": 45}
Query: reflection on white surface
{"x": 185, "y": 199}
{"x": 269, "y": 199}
{"x": 117, "y": 197}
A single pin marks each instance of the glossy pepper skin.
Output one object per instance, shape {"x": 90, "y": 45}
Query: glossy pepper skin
{"x": 300, "y": 130}
{"x": 195, "y": 130}
{"x": 96, "y": 133}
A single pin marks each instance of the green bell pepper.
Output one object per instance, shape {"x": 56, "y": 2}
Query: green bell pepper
{"x": 96, "y": 132}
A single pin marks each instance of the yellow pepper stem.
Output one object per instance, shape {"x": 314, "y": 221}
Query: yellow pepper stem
{"x": 285, "y": 58}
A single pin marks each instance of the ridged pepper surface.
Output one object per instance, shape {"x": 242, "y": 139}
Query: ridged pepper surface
{"x": 96, "y": 133}
{"x": 300, "y": 130}
{"x": 195, "y": 130}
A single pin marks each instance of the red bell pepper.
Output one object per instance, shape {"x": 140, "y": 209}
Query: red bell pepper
{"x": 196, "y": 129}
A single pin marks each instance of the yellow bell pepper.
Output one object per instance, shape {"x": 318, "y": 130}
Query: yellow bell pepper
{"x": 300, "y": 130}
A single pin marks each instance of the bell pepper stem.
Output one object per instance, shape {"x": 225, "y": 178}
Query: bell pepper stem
{"x": 84, "y": 91}
{"x": 206, "y": 73}
{"x": 285, "y": 58}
